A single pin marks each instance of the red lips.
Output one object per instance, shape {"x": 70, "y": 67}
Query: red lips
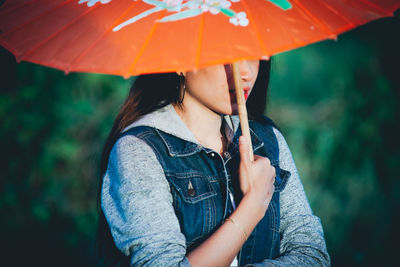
{"x": 246, "y": 91}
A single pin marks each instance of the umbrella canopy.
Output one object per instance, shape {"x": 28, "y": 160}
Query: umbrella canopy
{"x": 128, "y": 37}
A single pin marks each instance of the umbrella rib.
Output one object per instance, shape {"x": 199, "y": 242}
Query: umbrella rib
{"x": 200, "y": 40}
{"x": 35, "y": 18}
{"x": 79, "y": 57}
{"x": 337, "y": 13}
{"x": 261, "y": 42}
{"x": 32, "y": 50}
{"x": 146, "y": 42}
{"x": 322, "y": 25}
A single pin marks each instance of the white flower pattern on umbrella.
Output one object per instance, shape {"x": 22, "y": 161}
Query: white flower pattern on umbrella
{"x": 190, "y": 8}
{"x": 213, "y": 6}
{"x": 93, "y": 2}
{"x": 239, "y": 19}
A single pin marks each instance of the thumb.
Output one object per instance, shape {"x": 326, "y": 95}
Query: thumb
{"x": 244, "y": 150}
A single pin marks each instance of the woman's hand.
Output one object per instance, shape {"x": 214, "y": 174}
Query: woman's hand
{"x": 256, "y": 179}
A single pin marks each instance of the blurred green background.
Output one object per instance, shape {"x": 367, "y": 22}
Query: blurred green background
{"x": 337, "y": 104}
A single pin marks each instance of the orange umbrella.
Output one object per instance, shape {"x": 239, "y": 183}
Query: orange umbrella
{"x": 127, "y": 37}
{"x": 131, "y": 37}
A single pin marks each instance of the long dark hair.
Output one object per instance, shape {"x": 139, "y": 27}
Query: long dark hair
{"x": 147, "y": 94}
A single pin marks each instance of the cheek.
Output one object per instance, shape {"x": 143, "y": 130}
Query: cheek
{"x": 254, "y": 65}
{"x": 217, "y": 84}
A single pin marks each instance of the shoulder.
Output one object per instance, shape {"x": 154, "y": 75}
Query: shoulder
{"x": 269, "y": 127}
{"x": 133, "y": 160}
{"x": 265, "y": 129}
{"x": 130, "y": 146}
{"x": 265, "y": 121}
{"x": 264, "y": 126}
{"x": 135, "y": 141}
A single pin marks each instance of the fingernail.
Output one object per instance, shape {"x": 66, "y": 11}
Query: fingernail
{"x": 242, "y": 140}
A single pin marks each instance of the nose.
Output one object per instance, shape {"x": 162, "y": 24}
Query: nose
{"x": 246, "y": 71}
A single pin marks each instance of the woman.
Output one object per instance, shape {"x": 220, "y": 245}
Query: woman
{"x": 178, "y": 186}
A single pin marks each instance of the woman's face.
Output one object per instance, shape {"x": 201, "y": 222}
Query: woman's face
{"x": 213, "y": 87}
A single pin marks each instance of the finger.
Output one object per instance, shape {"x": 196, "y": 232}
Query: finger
{"x": 265, "y": 160}
{"x": 243, "y": 149}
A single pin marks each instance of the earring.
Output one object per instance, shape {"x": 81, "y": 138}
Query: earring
{"x": 182, "y": 88}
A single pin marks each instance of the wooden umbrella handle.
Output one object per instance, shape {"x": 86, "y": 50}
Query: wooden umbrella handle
{"x": 244, "y": 123}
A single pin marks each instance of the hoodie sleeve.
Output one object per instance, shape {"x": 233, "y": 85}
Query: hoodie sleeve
{"x": 137, "y": 204}
{"x": 302, "y": 237}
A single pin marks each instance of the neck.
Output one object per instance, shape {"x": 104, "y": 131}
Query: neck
{"x": 203, "y": 123}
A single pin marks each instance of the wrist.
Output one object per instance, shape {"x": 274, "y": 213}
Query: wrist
{"x": 254, "y": 205}
{"x": 238, "y": 226}
{"x": 248, "y": 214}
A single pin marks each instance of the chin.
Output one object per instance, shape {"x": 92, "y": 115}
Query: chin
{"x": 231, "y": 109}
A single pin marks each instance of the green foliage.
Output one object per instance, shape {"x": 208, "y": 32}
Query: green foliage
{"x": 336, "y": 103}
{"x": 53, "y": 129}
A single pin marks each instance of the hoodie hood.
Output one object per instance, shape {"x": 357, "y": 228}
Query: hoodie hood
{"x": 167, "y": 120}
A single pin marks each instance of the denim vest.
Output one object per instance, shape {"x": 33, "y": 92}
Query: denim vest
{"x": 200, "y": 181}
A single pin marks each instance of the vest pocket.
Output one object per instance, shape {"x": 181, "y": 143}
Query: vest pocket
{"x": 193, "y": 187}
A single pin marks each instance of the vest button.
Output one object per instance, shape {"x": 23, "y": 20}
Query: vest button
{"x": 212, "y": 154}
{"x": 191, "y": 192}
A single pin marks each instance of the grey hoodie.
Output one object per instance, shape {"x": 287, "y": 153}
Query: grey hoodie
{"x": 137, "y": 202}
